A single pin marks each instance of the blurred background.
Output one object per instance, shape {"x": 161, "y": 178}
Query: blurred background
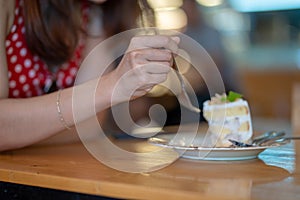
{"x": 254, "y": 43}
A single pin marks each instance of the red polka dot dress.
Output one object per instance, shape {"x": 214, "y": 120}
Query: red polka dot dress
{"x": 28, "y": 75}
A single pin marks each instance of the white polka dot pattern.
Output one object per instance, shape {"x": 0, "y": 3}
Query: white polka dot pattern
{"x": 12, "y": 84}
{"x": 22, "y": 79}
{"x": 28, "y": 74}
{"x": 18, "y": 44}
{"x": 16, "y": 93}
{"x": 7, "y": 43}
{"x": 15, "y": 37}
{"x": 13, "y": 59}
{"x": 10, "y": 50}
{"x": 31, "y": 73}
{"x": 14, "y": 27}
{"x": 26, "y": 87}
{"x": 18, "y": 68}
{"x": 23, "y": 52}
{"x": 27, "y": 63}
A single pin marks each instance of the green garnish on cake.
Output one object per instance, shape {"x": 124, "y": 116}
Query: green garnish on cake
{"x": 221, "y": 99}
{"x": 232, "y": 96}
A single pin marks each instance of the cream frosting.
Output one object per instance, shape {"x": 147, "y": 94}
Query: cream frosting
{"x": 223, "y": 127}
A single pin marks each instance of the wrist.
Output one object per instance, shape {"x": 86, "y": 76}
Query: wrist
{"x": 104, "y": 91}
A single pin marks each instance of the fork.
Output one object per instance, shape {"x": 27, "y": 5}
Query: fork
{"x": 183, "y": 95}
{"x": 149, "y": 19}
{"x": 267, "y": 138}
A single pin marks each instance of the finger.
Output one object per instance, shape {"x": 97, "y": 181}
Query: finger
{"x": 151, "y": 68}
{"x": 176, "y": 39}
{"x": 154, "y": 79}
{"x": 156, "y": 41}
{"x": 156, "y": 68}
{"x": 143, "y": 55}
{"x": 143, "y": 91}
{"x": 158, "y": 78}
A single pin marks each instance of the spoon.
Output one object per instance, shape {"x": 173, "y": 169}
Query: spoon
{"x": 281, "y": 141}
{"x": 267, "y": 136}
{"x": 261, "y": 139}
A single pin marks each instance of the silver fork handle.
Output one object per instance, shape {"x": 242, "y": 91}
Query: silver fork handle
{"x": 183, "y": 97}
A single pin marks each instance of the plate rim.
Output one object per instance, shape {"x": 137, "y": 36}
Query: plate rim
{"x": 200, "y": 148}
{"x": 212, "y": 153}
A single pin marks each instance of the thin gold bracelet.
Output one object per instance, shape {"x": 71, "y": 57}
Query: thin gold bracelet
{"x": 61, "y": 118}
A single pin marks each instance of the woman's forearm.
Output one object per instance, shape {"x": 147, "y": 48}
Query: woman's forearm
{"x": 27, "y": 121}
{"x": 146, "y": 63}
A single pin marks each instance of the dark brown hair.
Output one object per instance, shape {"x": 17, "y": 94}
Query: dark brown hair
{"x": 53, "y": 26}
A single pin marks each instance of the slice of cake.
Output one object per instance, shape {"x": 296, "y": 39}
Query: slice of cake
{"x": 228, "y": 117}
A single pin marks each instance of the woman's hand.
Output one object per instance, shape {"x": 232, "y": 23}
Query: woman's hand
{"x": 147, "y": 62}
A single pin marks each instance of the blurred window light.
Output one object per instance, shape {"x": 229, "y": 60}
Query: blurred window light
{"x": 168, "y": 14}
{"x": 210, "y": 3}
{"x": 263, "y": 5}
{"x": 165, "y": 4}
{"x": 175, "y": 19}
{"x": 228, "y": 20}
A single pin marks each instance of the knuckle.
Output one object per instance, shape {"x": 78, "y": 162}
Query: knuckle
{"x": 133, "y": 55}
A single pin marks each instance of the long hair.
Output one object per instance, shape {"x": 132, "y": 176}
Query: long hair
{"x": 53, "y": 27}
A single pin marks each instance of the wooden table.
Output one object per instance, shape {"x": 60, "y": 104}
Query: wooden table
{"x": 69, "y": 166}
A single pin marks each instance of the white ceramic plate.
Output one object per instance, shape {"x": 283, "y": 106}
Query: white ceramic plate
{"x": 199, "y": 152}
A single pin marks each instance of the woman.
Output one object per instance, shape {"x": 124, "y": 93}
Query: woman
{"x": 36, "y": 55}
